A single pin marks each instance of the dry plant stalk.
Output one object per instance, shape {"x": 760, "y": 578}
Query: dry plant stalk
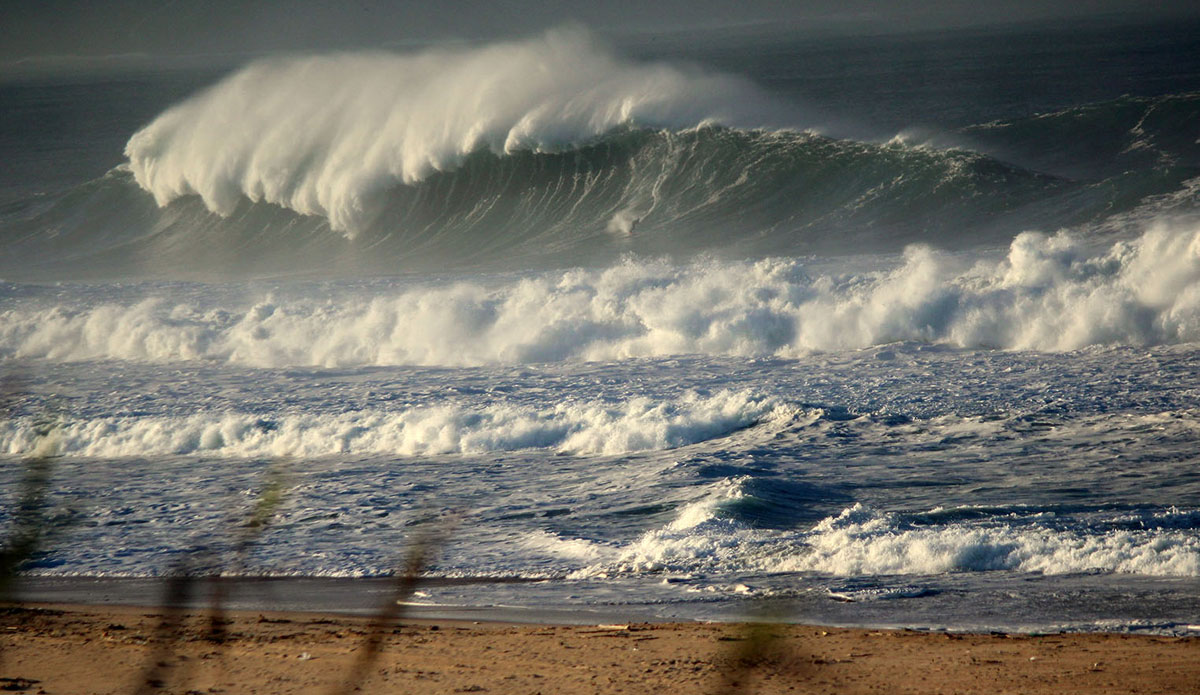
{"x": 32, "y": 526}
{"x": 181, "y": 584}
{"x": 421, "y": 551}
{"x": 758, "y": 646}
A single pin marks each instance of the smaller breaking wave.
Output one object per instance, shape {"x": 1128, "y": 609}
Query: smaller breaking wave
{"x": 583, "y": 428}
{"x": 860, "y": 542}
{"x": 1049, "y": 293}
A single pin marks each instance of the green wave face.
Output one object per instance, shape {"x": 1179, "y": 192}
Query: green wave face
{"x": 743, "y": 193}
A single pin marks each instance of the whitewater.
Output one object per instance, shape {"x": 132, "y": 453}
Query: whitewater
{"x": 669, "y": 328}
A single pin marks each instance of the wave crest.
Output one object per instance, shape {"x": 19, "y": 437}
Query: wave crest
{"x": 634, "y": 190}
{"x": 860, "y": 541}
{"x": 326, "y": 135}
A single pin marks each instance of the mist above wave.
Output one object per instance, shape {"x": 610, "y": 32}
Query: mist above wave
{"x": 324, "y": 135}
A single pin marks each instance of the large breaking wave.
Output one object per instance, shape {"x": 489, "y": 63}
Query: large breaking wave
{"x": 1048, "y": 293}
{"x": 323, "y": 135}
{"x": 635, "y": 190}
{"x": 553, "y": 152}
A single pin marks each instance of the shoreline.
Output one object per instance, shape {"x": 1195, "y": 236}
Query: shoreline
{"x": 342, "y": 596}
{"x": 1099, "y": 608}
{"x": 78, "y": 648}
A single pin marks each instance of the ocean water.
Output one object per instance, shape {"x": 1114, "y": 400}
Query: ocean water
{"x": 868, "y": 330}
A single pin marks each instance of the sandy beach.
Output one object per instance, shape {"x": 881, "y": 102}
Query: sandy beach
{"x": 74, "y": 648}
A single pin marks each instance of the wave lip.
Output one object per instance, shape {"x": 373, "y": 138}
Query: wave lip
{"x": 326, "y": 135}
{"x": 580, "y": 428}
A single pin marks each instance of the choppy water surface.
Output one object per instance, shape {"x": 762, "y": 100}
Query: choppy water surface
{"x": 659, "y": 337}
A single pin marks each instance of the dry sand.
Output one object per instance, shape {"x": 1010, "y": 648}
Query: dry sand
{"x": 72, "y": 649}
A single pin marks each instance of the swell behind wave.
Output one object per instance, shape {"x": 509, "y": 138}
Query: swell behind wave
{"x": 1101, "y": 140}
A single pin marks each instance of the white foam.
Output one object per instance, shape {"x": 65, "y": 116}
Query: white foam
{"x": 324, "y": 135}
{"x": 572, "y": 427}
{"x": 1047, "y": 294}
{"x": 699, "y": 538}
{"x": 572, "y": 549}
{"x": 862, "y": 542}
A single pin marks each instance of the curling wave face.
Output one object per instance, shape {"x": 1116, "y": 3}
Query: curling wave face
{"x": 1048, "y": 293}
{"x": 635, "y": 190}
{"x": 324, "y": 135}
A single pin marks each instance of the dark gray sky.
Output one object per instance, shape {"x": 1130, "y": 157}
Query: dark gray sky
{"x": 33, "y": 28}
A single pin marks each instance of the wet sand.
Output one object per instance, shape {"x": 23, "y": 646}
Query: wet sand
{"x": 79, "y": 648}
